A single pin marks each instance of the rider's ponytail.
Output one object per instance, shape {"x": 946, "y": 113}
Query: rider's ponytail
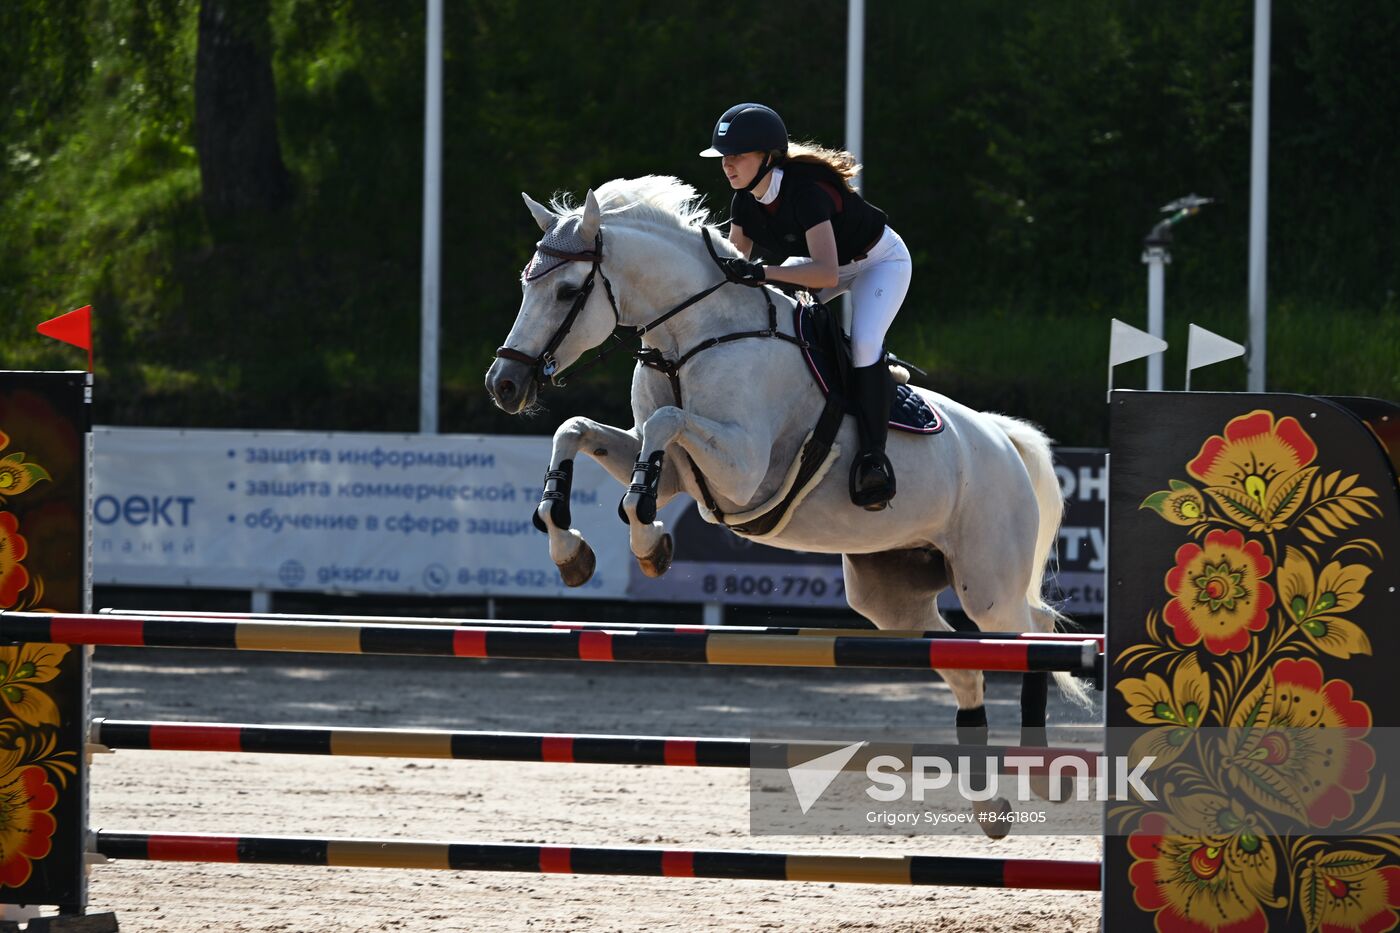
{"x": 839, "y": 161}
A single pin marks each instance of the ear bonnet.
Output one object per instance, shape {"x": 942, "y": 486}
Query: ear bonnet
{"x": 561, "y": 243}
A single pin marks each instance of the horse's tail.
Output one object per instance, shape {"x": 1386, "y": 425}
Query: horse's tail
{"x": 1034, "y": 448}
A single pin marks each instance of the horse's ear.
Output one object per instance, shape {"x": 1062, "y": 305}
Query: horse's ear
{"x": 543, "y": 215}
{"x": 592, "y": 217}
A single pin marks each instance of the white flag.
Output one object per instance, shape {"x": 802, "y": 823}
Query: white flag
{"x": 1204, "y": 348}
{"x": 1127, "y": 343}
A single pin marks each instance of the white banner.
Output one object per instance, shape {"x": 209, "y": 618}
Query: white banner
{"x": 341, "y": 513}
{"x": 448, "y": 515}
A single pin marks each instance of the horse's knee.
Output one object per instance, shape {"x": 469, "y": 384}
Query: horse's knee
{"x": 574, "y": 429}
{"x": 666, "y": 422}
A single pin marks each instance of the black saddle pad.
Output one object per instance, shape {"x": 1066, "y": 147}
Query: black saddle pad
{"x": 815, "y": 325}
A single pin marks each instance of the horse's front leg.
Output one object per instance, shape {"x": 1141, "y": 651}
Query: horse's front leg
{"x": 616, "y": 450}
{"x": 732, "y": 458}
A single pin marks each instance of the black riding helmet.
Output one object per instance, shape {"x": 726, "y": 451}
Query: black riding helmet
{"x": 749, "y": 128}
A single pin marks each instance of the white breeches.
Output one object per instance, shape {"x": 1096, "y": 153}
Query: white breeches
{"x": 878, "y": 284}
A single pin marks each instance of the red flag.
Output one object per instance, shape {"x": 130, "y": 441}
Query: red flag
{"x": 75, "y": 327}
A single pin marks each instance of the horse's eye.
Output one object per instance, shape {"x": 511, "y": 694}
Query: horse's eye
{"x": 567, "y": 292}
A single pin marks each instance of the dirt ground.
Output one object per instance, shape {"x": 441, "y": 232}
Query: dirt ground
{"x": 527, "y": 803}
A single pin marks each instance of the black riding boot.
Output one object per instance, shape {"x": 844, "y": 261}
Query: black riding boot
{"x": 872, "y": 475}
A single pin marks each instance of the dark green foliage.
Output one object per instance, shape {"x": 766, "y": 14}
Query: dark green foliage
{"x": 1022, "y": 149}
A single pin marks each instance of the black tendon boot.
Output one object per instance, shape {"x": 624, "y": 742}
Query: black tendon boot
{"x": 872, "y": 476}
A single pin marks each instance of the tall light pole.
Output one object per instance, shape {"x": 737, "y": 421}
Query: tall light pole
{"x": 855, "y": 94}
{"x": 432, "y": 224}
{"x": 1259, "y": 199}
{"x": 855, "y": 79}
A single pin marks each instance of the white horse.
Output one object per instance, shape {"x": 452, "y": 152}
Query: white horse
{"x": 978, "y": 505}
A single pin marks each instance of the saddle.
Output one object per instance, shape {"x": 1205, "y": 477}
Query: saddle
{"x": 827, "y": 350}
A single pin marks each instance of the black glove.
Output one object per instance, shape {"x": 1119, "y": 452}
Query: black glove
{"x": 742, "y": 272}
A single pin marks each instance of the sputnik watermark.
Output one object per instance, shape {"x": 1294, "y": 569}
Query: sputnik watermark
{"x": 810, "y": 779}
{"x": 934, "y": 773}
{"x": 879, "y": 787}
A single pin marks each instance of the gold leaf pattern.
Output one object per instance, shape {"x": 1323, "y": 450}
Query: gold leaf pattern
{"x": 1266, "y": 477}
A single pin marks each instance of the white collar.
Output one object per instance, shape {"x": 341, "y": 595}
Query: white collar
{"x": 775, "y": 181}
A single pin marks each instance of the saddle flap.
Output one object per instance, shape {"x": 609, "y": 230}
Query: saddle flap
{"x": 828, "y": 355}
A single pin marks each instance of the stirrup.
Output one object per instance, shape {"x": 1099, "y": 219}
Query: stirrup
{"x": 873, "y": 492}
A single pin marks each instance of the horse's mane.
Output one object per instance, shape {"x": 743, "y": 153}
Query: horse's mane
{"x": 656, "y": 198}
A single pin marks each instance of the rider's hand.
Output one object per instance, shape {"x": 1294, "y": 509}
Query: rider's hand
{"x": 742, "y": 271}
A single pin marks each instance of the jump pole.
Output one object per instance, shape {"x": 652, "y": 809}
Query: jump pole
{"x": 967, "y": 653}
{"x": 1058, "y": 875}
{"x": 817, "y": 631}
{"x": 141, "y": 735}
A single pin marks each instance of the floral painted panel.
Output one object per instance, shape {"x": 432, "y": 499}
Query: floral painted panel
{"x": 1254, "y": 546}
{"x": 43, "y": 485}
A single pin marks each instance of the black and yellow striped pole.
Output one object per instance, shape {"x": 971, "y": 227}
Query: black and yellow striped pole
{"x": 122, "y": 735}
{"x": 711, "y": 647}
{"x": 817, "y": 631}
{"x": 1057, "y": 874}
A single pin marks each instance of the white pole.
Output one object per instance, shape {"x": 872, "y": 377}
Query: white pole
{"x": 855, "y": 79}
{"x": 855, "y": 93}
{"x": 1259, "y": 199}
{"x": 1156, "y": 258}
{"x": 432, "y": 224}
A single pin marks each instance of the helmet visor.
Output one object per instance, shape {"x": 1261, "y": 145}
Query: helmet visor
{"x": 715, "y": 152}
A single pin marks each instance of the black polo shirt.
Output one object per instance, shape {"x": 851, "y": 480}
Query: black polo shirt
{"x": 810, "y": 194}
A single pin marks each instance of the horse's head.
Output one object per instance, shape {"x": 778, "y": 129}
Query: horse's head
{"x": 562, "y": 313}
{"x": 647, "y": 257}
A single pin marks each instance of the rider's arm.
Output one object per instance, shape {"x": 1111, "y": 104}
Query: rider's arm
{"x": 740, "y": 239}
{"x": 819, "y": 271}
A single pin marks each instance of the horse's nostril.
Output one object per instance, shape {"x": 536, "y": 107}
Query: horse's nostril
{"x": 505, "y": 390}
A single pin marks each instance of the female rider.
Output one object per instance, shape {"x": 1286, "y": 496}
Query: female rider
{"x": 794, "y": 202}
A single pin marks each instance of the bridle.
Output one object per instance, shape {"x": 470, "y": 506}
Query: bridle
{"x": 546, "y": 366}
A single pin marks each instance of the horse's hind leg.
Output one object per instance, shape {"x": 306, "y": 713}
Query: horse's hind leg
{"x": 899, "y": 590}
{"x": 994, "y": 595}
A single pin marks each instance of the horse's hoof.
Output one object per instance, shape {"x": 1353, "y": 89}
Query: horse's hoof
{"x": 991, "y": 816}
{"x": 659, "y": 560}
{"x": 578, "y": 569}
